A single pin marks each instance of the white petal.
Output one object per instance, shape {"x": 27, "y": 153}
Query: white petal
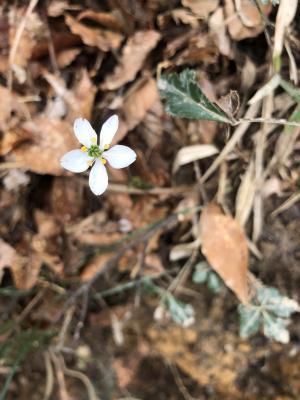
{"x": 84, "y": 132}
{"x": 108, "y": 130}
{"x": 75, "y": 161}
{"x": 120, "y": 156}
{"x": 98, "y": 179}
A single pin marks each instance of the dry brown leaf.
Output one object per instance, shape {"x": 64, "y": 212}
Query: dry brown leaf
{"x": 33, "y": 32}
{"x": 94, "y": 266}
{"x": 52, "y": 139}
{"x": 80, "y": 99}
{"x": 56, "y": 8}
{"x": 192, "y": 153}
{"x": 84, "y": 93}
{"x": 218, "y": 30}
{"x": 246, "y": 21}
{"x": 245, "y": 195}
{"x": 66, "y": 57}
{"x": 103, "y": 39}
{"x": 133, "y": 56}
{"x": 136, "y": 106}
{"x": 202, "y": 8}
{"x": 7, "y": 254}
{"x": 179, "y": 15}
{"x": 107, "y": 19}
{"x": 24, "y": 270}
{"x": 66, "y": 199}
{"x": 12, "y": 138}
{"x": 199, "y": 48}
{"x": 10, "y": 104}
{"x": 286, "y": 13}
{"x": 224, "y": 244}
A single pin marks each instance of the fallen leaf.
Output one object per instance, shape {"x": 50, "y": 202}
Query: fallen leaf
{"x": 196, "y": 152}
{"x": 133, "y": 56}
{"x": 80, "y": 99}
{"x": 56, "y": 8}
{"x": 107, "y": 19}
{"x": 225, "y": 247}
{"x": 34, "y": 30}
{"x": 286, "y": 13}
{"x": 11, "y": 111}
{"x": 245, "y": 195}
{"x": 199, "y": 48}
{"x": 12, "y": 138}
{"x": 179, "y": 15}
{"x": 217, "y": 28}
{"x": 51, "y": 140}
{"x": 14, "y": 179}
{"x": 94, "y": 266}
{"x": 103, "y": 39}
{"x": 66, "y": 57}
{"x": 136, "y": 107}
{"x": 24, "y": 270}
{"x": 245, "y": 20}
{"x": 66, "y": 199}
{"x": 202, "y": 8}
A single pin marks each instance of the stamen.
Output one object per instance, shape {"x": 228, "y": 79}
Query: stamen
{"x": 84, "y": 149}
{"x": 90, "y": 163}
{"x": 106, "y": 147}
{"x": 94, "y": 140}
{"x": 103, "y": 161}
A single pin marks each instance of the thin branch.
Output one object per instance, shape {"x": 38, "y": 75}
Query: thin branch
{"x": 268, "y": 121}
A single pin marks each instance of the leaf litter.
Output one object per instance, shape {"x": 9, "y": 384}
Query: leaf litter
{"x": 156, "y": 240}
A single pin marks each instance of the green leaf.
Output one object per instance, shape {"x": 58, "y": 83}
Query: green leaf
{"x": 275, "y": 303}
{"x": 275, "y": 328}
{"x": 185, "y": 99}
{"x": 201, "y": 272}
{"x": 267, "y": 294}
{"x": 250, "y": 318}
{"x": 214, "y": 283}
{"x": 181, "y": 313}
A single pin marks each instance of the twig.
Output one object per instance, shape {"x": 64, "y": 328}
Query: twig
{"x": 115, "y": 187}
{"x": 84, "y": 379}
{"x": 49, "y": 376}
{"x": 268, "y": 121}
{"x": 235, "y": 138}
{"x": 59, "y": 369}
{"x": 287, "y": 204}
{"x": 84, "y": 288}
{"x": 17, "y": 39}
{"x": 65, "y": 325}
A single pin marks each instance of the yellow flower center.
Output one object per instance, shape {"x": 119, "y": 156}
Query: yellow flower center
{"x": 106, "y": 147}
{"x": 103, "y": 161}
{"x": 94, "y": 140}
{"x": 84, "y": 149}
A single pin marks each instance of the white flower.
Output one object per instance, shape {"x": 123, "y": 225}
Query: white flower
{"x": 96, "y": 155}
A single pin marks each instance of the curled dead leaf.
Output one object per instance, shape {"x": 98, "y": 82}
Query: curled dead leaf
{"x": 52, "y": 139}
{"x": 24, "y": 270}
{"x": 133, "y": 56}
{"x": 136, "y": 107}
{"x": 104, "y": 39}
{"x": 225, "y": 247}
{"x": 202, "y": 8}
{"x": 245, "y": 19}
{"x": 95, "y": 266}
{"x": 107, "y": 19}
